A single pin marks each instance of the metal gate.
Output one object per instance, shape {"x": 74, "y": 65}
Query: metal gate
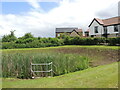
{"x": 44, "y": 68}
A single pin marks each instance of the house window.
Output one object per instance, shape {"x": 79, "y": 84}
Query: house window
{"x": 86, "y": 34}
{"x": 92, "y": 35}
{"x": 96, "y": 29}
{"x": 116, "y": 28}
{"x": 58, "y": 35}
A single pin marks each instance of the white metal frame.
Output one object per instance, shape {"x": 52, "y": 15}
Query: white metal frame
{"x": 47, "y": 64}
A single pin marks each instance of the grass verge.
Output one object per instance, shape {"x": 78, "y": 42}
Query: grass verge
{"x": 68, "y": 46}
{"x": 105, "y": 76}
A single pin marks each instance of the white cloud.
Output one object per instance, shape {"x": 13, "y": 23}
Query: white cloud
{"x": 34, "y": 3}
{"x": 109, "y": 11}
{"x": 70, "y": 13}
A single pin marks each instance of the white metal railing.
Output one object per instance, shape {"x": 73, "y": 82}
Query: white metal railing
{"x": 43, "y": 64}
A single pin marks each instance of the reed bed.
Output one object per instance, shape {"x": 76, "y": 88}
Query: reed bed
{"x": 19, "y": 64}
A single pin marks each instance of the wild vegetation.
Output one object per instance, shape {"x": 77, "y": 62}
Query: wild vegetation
{"x": 29, "y": 41}
{"x": 19, "y": 64}
{"x": 98, "y": 55}
{"x": 16, "y": 62}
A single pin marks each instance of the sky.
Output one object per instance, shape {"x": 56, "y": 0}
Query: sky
{"x": 41, "y": 17}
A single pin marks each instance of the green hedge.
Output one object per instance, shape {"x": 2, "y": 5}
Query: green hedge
{"x": 83, "y": 41}
{"x": 48, "y": 42}
{"x": 32, "y": 43}
{"x": 113, "y": 41}
{"x": 90, "y": 41}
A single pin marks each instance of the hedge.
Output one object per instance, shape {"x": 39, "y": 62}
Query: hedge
{"x": 48, "y": 42}
{"x": 91, "y": 41}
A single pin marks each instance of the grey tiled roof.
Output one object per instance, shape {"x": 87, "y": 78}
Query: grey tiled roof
{"x": 65, "y": 29}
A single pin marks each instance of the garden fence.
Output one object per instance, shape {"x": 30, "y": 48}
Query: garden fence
{"x": 43, "y": 68}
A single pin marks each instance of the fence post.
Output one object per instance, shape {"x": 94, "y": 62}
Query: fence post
{"x": 51, "y": 70}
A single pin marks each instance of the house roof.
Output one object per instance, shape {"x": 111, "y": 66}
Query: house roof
{"x": 78, "y": 30}
{"x": 65, "y": 29}
{"x": 111, "y": 21}
{"x": 107, "y": 22}
{"x": 99, "y": 20}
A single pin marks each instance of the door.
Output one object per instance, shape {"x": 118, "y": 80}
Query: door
{"x": 105, "y": 32}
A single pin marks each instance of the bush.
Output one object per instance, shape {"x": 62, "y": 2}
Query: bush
{"x": 20, "y": 45}
{"x": 27, "y": 35}
{"x": 75, "y": 40}
{"x": 20, "y": 41}
{"x": 114, "y": 41}
{"x": 67, "y": 40}
{"x": 90, "y": 41}
{"x": 8, "y": 45}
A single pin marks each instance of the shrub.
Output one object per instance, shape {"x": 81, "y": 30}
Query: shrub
{"x": 90, "y": 41}
{"x": 114, "y": 41}
{"x": 75, "y": 40}
{"x": 67, "y": 40}
{"x": 8, "y": 45}
{"x": 20, "y": 45}
{"x": 27, "y": 35}
{"x": 45, "y": 40}
{"x": 20, "y": 41}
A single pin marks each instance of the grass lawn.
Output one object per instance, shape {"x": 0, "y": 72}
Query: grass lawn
{"x": 68, "y": 46}
{"x": 105, "y": 76}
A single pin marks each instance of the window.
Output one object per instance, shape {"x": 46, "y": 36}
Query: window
{"x": 92, "y": 35}
{"x": 96, "y": 29}
{"x": 116, "y": 28}
{"x": 58, "y": 35}
{"x": 86, "y": 34}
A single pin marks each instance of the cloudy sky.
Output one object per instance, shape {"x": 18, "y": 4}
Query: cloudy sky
{"x": 41, "y": 17}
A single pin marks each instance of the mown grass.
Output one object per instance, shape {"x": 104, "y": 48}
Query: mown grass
{"x": 105, "y": 76}
{"x": 93, "y": 46}
{"x": 68, "y": 46}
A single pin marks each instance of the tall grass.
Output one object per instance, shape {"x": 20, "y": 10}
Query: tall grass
{"x": 18, "y": 64}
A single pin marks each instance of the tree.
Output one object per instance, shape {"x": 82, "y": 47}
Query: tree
{"x": 10, "y": 37}
{"x": 28, "y": 35}
{"x": 27, "y": 38}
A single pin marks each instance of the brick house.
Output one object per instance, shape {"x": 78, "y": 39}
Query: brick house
{"x": 69, "y": 31}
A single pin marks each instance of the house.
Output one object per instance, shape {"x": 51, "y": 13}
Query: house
{"x": 69, "y": 31}
{"x": 105, "y": 27}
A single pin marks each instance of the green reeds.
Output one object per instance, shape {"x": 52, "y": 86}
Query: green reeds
{"x": 18, "y": 64}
